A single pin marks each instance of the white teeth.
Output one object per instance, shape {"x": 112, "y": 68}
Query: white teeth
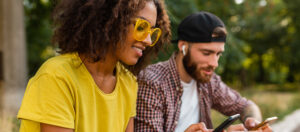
{"x": 138, "y": 49}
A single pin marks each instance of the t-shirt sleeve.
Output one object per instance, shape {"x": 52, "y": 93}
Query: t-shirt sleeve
{"x": 48, "y": 99}
{"x": 133, "y": 111}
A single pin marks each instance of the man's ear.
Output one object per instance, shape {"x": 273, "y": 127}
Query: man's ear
{"x": 182, "y": 46}
{"x": 183, "y": 49}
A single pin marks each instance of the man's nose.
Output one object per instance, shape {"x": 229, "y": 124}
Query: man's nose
{"x": 214, "y": 61}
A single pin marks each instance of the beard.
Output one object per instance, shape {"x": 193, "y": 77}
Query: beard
{"x": 191, "y": 68}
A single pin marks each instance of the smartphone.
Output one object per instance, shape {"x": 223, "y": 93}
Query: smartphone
{"x": 227, "y": 123}
{"x": 268, "y": 120}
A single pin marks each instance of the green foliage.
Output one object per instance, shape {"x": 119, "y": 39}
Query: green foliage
{"x": 178, "y": 10}
{"x": 262, "y": 42}
{"x": 293, "y": 40}
{"x": 38, "y": 32}
{"x": 262, "y": 45}
{"x": 16, "y": 124}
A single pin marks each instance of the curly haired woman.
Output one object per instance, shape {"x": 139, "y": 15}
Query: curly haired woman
{"x": 91, "y": 86}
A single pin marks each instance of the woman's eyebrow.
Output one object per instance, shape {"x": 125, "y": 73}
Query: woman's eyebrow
{"x": 143, "y": 18}
{"x": 146, "y": 20}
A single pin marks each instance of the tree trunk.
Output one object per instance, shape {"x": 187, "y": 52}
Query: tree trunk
{"x": 12, "y": 54}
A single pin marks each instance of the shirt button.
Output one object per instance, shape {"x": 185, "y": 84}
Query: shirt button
{"x": 177, "y": 88}
{"x": 176, "y": 122}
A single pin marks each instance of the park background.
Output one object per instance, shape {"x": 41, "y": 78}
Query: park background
{"x": 261, "y": 59}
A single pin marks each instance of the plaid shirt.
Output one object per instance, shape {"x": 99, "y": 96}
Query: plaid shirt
{"x": 159, "y": 98}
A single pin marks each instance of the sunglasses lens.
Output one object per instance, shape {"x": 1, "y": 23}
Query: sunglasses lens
{"x": 155, "y": 36}
{"x": 141, "y": 30}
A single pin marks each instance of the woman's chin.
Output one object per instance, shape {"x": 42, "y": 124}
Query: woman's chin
{"x": 130, "y": 62}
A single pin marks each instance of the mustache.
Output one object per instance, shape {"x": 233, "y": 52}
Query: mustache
{"x": 208, "y": 68}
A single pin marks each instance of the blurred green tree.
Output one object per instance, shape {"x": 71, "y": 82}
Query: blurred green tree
{"x": 293, "y": 40}
{"x": 263, "y": 32}
{"x": 262, "y": 45}
{"x": 38, "y": 32}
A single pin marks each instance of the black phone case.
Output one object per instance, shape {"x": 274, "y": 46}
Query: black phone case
{"x": 227, "y": 123}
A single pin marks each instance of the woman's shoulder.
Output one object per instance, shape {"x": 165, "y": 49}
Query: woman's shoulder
{"x": 59, "y": 64}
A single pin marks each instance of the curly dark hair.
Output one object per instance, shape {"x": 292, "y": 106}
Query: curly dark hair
{"x": 92, "y": 27}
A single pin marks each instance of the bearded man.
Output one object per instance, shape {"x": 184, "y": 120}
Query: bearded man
{"x": 175, "y": 94}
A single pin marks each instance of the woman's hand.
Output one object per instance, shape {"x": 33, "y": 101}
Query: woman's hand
{"x": 199, "y": 127}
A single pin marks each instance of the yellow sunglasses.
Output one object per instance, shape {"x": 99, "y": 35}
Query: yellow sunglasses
{"x": 143, "y": 28}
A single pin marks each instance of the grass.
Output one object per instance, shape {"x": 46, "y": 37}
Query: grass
{"x": 271, "y": 104}
{"x": 9, "y": 123}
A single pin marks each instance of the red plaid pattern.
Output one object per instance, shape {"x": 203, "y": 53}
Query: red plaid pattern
{"x": 159, "y": 98}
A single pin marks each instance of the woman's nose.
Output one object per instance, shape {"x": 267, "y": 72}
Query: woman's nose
{"x": 147, "y": 40}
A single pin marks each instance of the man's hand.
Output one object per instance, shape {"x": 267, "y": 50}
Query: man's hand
{"x": 251, "y": 123}
{"x": 252, "y": 110}
{"x": 241, "y": 128}
{"x": 265, "y": 128}
{"x": 199, "y": 127}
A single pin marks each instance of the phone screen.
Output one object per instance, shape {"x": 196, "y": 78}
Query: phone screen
{"x": 227, "y": 123}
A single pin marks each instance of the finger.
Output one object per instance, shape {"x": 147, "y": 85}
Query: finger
{"x": 196, "y": 127}
{"x": 202, "y": 124}
{"x": 266, "y": 128}
{"x": 251, "y": 123}
{"x": 238, "y": 127}
{"x": 210, "y": 130}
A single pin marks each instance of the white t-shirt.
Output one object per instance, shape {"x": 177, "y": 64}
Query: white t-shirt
{"x": 189, "y": 111}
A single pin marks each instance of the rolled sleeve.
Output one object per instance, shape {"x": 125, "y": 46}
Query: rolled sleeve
{"x": 227, "y": 100}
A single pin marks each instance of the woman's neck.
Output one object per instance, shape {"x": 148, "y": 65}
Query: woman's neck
{"x": 103, "y": 72}
{"x": 103, "y": 68}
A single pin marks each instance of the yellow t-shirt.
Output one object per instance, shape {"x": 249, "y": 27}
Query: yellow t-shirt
{"x": 63, "y": 93}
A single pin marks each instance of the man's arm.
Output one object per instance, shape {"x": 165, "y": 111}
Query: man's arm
{"x": 229, "y": 102}
{"x": 251, "y": 110}
{"x": 251, "y": 115}
{"x": 149, "y": 111}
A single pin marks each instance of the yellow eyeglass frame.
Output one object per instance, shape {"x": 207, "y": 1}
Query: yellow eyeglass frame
{"x": 142, "y": 29}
